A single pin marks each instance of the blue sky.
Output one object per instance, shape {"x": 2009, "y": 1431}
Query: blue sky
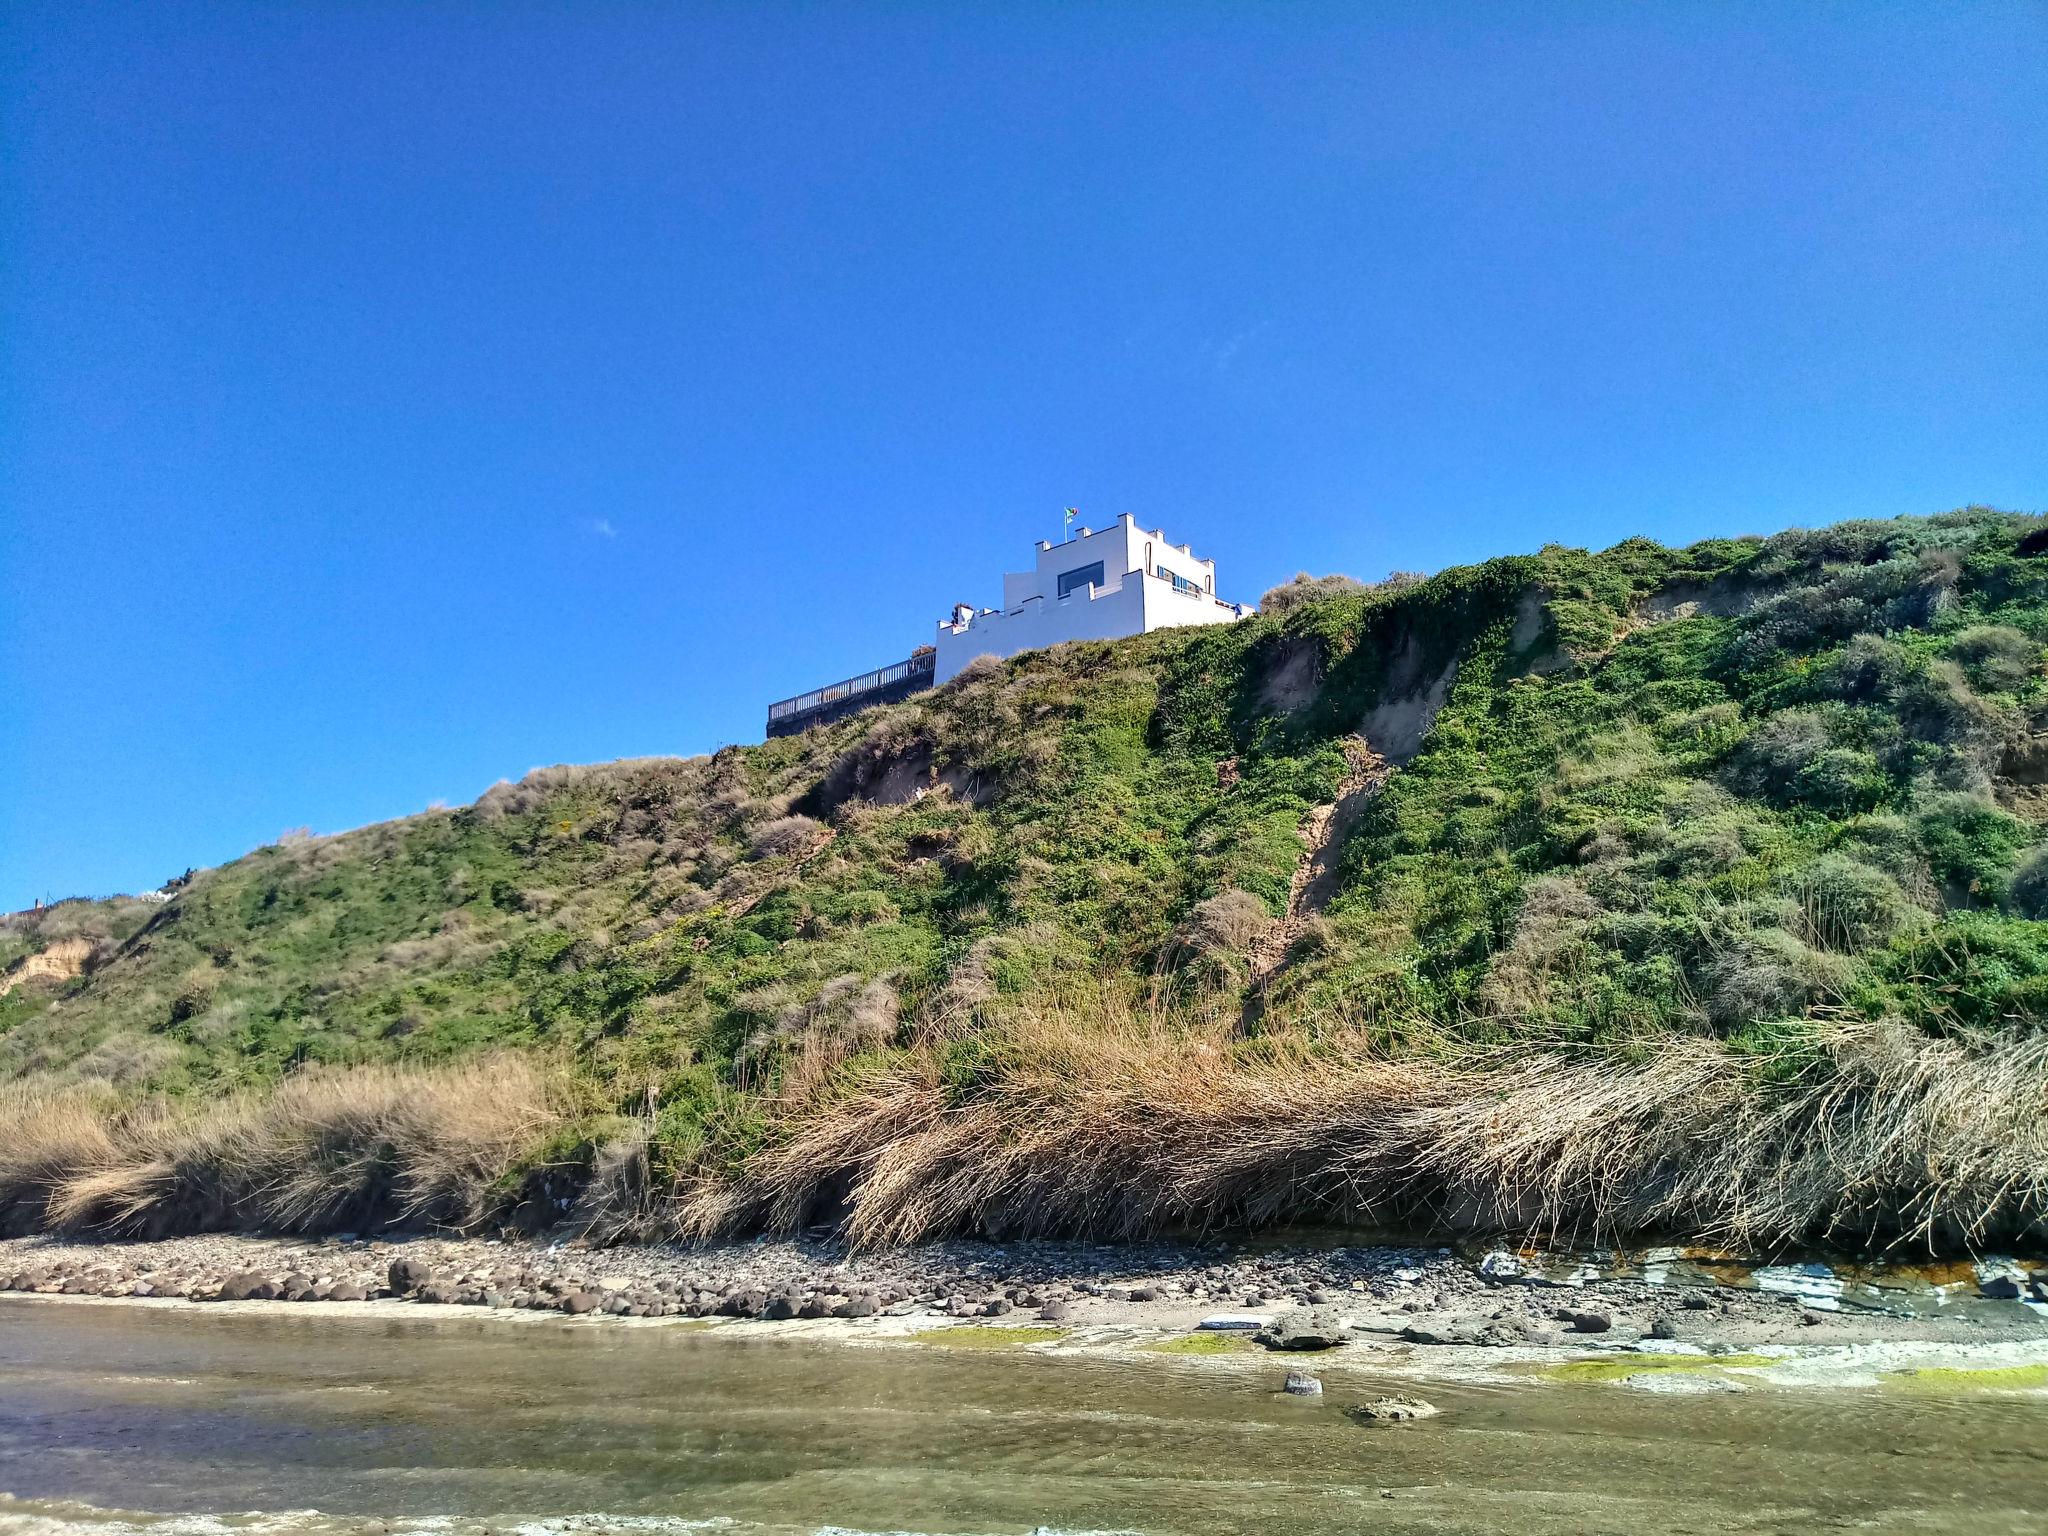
{"x": 393, "y": 398}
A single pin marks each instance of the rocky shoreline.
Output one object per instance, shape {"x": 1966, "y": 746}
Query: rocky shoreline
{"x": 1301, "y": 1296}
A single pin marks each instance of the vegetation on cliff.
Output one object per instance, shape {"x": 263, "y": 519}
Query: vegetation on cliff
{"x": 1693, "y": 890}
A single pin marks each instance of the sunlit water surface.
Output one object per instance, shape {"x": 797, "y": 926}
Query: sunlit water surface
{"x": 115, "y": 1419}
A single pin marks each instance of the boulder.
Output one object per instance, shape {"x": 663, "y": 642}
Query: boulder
{"x": 1055, "y": 1312}
{"x": 1586, "y": 1322}
{"x": 1391, "y": 1410}
{"x": 782, "y": 1308}
{"x": 247, "y": 1285}
{"x": 578, "y": 1302}
{"x": 1308, "y": 1328}
{"x": 349, "y": 1290}
{"x": 1456, "y": 1330}
{"x": 1301, "y": 1384}
{"x": 407, "y": 1275}
{"x": 863, "y": 1305}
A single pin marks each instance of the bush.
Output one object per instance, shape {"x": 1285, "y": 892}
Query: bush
{"x": 2027, "y": 892}
{"x": 1227, "y": 924}
{"x": 1841, "y": 779}
{"x": 1997, "y": 657}
{"x": 1307, "y": 589}
{"x": 1769, "y": 974}
{"x": 1970, "y": 842}
{"x": 784, "y": 835}
{"x": 1773, "y": 755}
{"x": 1848, "y": 904}
{"x": 1868, "y": 667}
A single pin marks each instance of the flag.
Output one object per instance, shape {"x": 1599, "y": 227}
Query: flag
{"x": 1072, "y": 513}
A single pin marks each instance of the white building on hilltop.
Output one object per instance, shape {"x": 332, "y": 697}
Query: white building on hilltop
{"x": 1122, "y": 580}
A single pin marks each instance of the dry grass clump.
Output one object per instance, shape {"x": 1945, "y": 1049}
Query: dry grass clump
{"x": 783, "y": 836}
{"x": 360, "y": 1147}
{"x": 1883, "y": 1135}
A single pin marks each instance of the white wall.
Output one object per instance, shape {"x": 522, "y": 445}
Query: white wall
{"x": 1131, "y": 600}
{"x": 1093, "y": 613}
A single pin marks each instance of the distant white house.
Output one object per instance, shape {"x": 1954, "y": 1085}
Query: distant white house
{"x": 1120, "y": 580}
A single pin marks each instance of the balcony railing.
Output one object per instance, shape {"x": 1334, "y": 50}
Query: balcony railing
{"x": 867, "y": 682}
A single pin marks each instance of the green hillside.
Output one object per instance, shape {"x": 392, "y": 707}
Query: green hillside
{"x": 1768, "y": 810}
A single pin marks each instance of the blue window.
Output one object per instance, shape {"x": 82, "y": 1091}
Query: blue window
{"x": 1086, "y": 576}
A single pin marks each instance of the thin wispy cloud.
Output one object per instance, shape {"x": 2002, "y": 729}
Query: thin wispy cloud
{"x": 603, "y": 528}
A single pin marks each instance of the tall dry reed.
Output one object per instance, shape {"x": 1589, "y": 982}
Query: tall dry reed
{"x": 366, "y": 1146}
{"x": 1879, "y": 1136}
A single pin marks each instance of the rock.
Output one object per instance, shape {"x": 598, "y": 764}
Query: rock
{"x": 1586, "y": 1322}
{"x": 863, "y": 1305}
{"x": 1663, "y": 1329}
{"x": 782, "y": 1308}
{"x": 1145, "y": 1293}
{"x": 349, "y": 1290}
{"x": 1678, "y": 1383}
{"x": 1319, "y": 1298}
{"x": 247, "y": 1285}
{"x": 1234, "y": 1322}
{"x": 1392, "y": 1410}
{"x": 496, "y": 1299}
{"x": 1457, "y": 1330}
{"x": 2002, "y": 1286}
{"x": 1312, "y": 1328}
{"x": 576, "y": 1303}
{"x": 1697, "y": 1303}
{"x": 1301, "y": 1384}
{"x": 816, "y": 1307}
{"x": 1055, "y": 1312}
{"x": 1000, "y": 1307}
{"x": 1502, "y": 1268}
{"x": 617, "y": 1305}
{"x": 435, "y": 1294}
{"x": 407, "y": 1275}
{"x": 142, "y": 1288}
{"x": 743, "y": 1304}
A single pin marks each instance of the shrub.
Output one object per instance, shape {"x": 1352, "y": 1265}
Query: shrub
{"x": 1969, "y": 842}
{"x": 1848, "y": 904}
{"x": 1308, "y": 589}
{"x": 1997, "y": 657}
{"x": 1940, "y": 706}
{"x": 1773, "y": 755}
{"x": 784, "y": 835}
{"x": 1840, "y": 779}
{"x": 980, "y": 669}
{"x": 2027, "y": 892}
{"x": 1769, "y": 974}
{"x": 1868, "y": 667}
{"x": 1227, "y": 924}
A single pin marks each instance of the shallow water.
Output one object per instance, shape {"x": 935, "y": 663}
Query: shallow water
{"x": 400, "y": 1423}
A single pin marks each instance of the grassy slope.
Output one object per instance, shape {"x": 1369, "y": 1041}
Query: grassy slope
{"x": 1740, "y": 792}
